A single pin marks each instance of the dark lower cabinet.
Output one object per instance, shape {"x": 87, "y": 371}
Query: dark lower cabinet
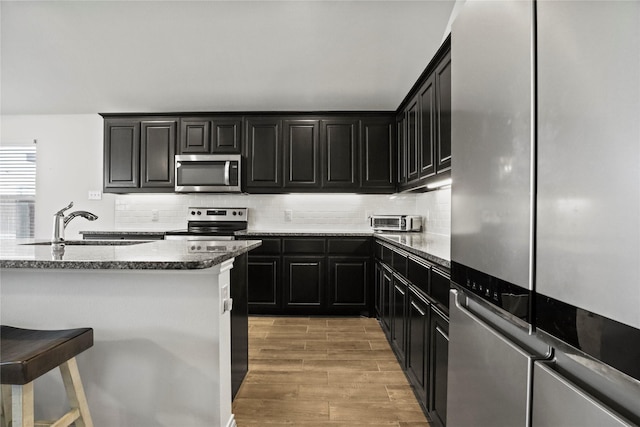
{"x": 349, "y": 283}
{"x": 418, "y": 311}
{"x": 412, "y": 312}
{"x": 264, "y": 278}
{"x": 398, "y": 316}
{"x": 239, "y": 323}
{"x": 304, "y": 283}
{"x": 439, "y": 357}
{"x": 311, "y": 275}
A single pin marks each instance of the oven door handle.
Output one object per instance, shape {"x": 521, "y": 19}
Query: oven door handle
{"x": 227, "y": 174}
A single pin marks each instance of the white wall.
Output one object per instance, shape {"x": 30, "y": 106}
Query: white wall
{"x": 69, "y": 165}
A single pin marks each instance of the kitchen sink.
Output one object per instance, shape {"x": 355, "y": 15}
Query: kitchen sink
{"x": 92, "y": 243}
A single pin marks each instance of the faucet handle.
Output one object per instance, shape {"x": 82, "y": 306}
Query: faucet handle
{"x": 61, "y": 211}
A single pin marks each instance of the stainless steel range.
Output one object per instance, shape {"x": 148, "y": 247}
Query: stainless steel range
{"x": 209, "y": 223}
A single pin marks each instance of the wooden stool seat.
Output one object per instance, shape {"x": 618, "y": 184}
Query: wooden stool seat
{"x": 27, "y": 354}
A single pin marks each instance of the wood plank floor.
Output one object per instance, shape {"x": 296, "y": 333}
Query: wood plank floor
{"x": 316, "y": 372}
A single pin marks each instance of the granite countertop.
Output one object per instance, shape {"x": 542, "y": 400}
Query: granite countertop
{"x": 435, "y": 248}
{"x": 432, "y": 247}
{"x": 121, "y": 254}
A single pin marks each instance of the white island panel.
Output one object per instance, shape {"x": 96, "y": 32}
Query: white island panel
{"x": 161, "y": 354}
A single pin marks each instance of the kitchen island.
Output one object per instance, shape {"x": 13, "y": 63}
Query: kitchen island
{"x": 160, "y": 316}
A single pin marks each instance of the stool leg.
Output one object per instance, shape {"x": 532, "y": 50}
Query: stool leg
{"x": 22, "y": 405}
{"x": 75, "y": 391}
{"x": 6, "y": 405}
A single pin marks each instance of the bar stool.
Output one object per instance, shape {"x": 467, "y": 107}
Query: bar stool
{"x": 27, "y": 354}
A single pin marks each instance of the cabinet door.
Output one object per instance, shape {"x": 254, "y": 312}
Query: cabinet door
{"x": 226, "y": 135}
{"x": 401, "y": 144}
{"x": 443, "y": 127}
{"x": 339, "y": 145}
{"x": 348, "y": 284}
{"x": 418, "y": 342}
{"x": 386, "y": 288}
{"x": 398, "y": 317}
{"x": 121, "y": 154}
{"x": 427, "y": 108}
{"x": 195, "y": 135}
{"x": 265, "y": 294}
{"x": 377, "y": 153}
{"x": 304, "y": 283}
{"x": 264, "y": 154}
{"x": 413, "y": 148}
{"x": 301, "y": 154}
{"x": 157, "y": 153}
{"x": 379, "y": 294}
{"x": 439, "y": 362}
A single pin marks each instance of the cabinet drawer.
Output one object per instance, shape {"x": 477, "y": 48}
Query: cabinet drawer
{"x": 440, "y": 284}
{"x": 268, "y": 246}
{"x": 399, "y": 262}
{"x": 349, "y": 246}
{"x": 418, "y": 273}
{"x": 304, "y": 246}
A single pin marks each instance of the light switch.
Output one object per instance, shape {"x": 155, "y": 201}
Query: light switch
{"x": 95, "y": 195}
{"x": 288, "y": 215}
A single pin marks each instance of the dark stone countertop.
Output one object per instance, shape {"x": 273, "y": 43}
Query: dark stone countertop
{"x": 121, "y": 254}
{"x": 435, "y": 248}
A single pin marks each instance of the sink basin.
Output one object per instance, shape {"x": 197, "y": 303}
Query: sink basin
{"x": 92, "y": 243}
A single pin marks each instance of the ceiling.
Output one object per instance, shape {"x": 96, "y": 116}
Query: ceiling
{"x": 76, "y": 57}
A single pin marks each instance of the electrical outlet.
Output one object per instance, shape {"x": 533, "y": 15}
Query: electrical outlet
{"x": 155, "y": 215}
{"x": 95, "y": 195}
{"x": 288, "y": 215}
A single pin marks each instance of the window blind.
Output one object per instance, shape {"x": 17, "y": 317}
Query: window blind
{"x": 17, "y": 191}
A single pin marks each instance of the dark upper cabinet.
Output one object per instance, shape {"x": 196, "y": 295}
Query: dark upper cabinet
{"x": 301, "y": 153}
{"x": 412, "y": 146}
{"x": 425, "y": 147}
{"x": 204, "y": 135}
{"x": 401, "y": 146}
{"x": 121, "y": 154}
{"x": 263, "y": 152}
{"x": 443, "y": 140}
{"x": 377, "y": 154}
{"x": 427, "y": 109}
{"x": 157, "y": 153}
{"x": 195, "y": 135}
{"x": 339, "y": 156}
{"x": 139, "y": 155}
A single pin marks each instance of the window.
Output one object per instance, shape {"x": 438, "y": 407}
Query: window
{"x": 17, "y": 190}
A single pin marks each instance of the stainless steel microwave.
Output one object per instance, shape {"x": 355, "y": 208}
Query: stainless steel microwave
{"x": 208, "y": 173}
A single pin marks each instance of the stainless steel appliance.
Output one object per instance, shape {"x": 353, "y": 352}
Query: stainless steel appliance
{"x": 206, "y": 227}
{"x": 214, "y": 173}
{"x": 211, "y": 224}
{"x": 545, "y": 325}
{"x": 395, "y": 222}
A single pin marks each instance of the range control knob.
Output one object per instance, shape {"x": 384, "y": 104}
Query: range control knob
{"x": 199, "y": 213}
{"x": 240, "y": 213}
{"x": 193, "y": 212}
{"x": 235, "y": 213}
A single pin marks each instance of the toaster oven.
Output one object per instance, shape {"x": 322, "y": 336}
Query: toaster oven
{"x": 396, "y": 222}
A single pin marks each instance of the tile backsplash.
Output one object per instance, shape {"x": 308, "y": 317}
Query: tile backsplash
{"x": 285, "y": 211}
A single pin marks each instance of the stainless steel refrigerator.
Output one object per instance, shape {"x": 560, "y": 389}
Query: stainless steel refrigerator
{"x": 545, "y": 250}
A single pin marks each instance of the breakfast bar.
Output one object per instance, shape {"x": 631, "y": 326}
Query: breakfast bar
{"x": 160, "y": 314}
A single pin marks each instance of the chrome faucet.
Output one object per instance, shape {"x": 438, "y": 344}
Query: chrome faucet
{"x": 60, "y": 222}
